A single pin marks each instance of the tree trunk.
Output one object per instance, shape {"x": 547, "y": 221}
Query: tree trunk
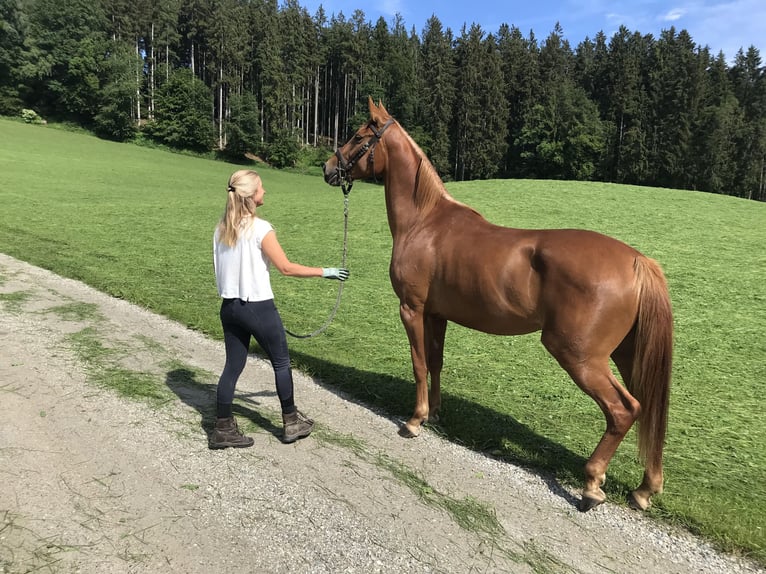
{"x": 138, "y": 88}
{"x": 316, "y": 107}
{"x": 337, "y": 114}
{"x": 220, "y": 107}
{"x": 151, "y": 73}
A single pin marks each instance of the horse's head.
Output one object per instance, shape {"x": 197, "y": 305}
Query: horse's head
{"x": 356, "y": 158}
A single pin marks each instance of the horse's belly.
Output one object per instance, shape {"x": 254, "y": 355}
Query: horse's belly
{"x": 492, "y": 322}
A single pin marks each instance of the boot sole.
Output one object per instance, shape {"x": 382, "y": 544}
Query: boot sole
{"x": 221, "y": 446}
{"x": 292, "y": 439}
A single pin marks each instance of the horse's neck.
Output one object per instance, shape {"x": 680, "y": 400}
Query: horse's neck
{"x": 410, "y": 194}
{"x": 403, "y": 212}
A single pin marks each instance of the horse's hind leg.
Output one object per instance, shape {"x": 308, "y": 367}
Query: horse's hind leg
{"x": 640, "y": 499}
{"x": 593, "y": 375}
{"x": 436, "y": 329}
{"x": 620, "y": 410}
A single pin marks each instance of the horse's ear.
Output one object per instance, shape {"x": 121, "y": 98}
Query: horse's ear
{"x": 378, "y": 113}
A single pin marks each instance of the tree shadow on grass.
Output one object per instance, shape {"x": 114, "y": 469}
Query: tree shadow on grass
{"x": 200, "y": 396}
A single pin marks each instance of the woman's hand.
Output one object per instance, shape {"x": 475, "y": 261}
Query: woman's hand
{"x": 335, "y": 273}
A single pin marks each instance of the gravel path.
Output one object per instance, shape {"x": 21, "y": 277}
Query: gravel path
{"x": 91, "y": 481}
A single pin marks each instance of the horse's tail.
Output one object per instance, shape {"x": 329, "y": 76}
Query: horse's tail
{"x": 652, "y": 360}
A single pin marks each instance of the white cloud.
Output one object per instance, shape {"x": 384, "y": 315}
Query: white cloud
{"x": 674, "y": 14}
{"x": 729, "y": 26}
{"x": 614, "y": 17}
{"x": 390, "y": 7}
{"x": 723, "y": 25}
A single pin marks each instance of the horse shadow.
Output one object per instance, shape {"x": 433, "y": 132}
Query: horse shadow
{"x": 463, "y": 422}
{"x": 200, "y": 396}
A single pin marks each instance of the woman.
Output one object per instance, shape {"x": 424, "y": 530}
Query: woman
{"x": 244, "y": 247}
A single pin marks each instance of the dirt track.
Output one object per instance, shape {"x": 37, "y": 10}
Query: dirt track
{"x": 91, "y": 481}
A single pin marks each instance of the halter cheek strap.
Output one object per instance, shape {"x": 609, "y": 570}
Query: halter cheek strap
{"x": 345, "y": 166}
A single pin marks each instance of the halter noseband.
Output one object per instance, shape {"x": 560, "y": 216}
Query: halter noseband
{"x": 345, "y": 166}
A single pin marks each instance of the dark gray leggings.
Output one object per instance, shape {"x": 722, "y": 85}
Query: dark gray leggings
{"x": 260, "y": 319}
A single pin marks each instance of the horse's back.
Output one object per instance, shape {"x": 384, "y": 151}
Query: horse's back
{"x": 582, "y": 255}
{"x": 462, "y": 236}
{"x": 506, "y": 280}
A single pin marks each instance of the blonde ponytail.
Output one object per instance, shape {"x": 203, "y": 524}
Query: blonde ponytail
{"x": 240, "y": 204}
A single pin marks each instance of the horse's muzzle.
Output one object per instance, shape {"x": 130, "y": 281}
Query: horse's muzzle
{"x": 331, "y": 175}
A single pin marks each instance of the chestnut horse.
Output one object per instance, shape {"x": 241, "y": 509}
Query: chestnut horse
{"x": 592, "y": 297}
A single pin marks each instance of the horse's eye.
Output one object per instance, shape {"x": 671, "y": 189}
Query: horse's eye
{"x": 357, "y": 138}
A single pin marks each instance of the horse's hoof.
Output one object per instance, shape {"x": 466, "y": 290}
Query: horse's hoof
{"x": 589, "y": 502}
{"x": 433, "y": 417}
{"x": 638, "y": 502}
{"x": 409, "y": 430}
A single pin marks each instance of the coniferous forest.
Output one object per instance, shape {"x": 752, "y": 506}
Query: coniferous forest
{"x": 268, "y": 78}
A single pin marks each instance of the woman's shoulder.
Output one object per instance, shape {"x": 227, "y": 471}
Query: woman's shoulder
{"x": 262, "y": 225}
{"x": 261, "y": 228}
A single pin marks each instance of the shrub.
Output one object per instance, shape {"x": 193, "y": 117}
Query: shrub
{"x": 31, "y": 117}
{"x": 283, "y": 149}
{"x": 182, "y": 118}
{"x": 243, "y": 130}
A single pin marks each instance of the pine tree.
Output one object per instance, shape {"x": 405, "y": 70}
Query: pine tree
{"x": 401, "y": 62}
{"x": 481, "y": 111}
{"x": 228, "y": 43}
{"x": 115, "y": 118}
{"x": 563, "y": 136}
{"x": 674, "y": 95}
{"x": 272, "y": 82}
{"x": 437, "y": 94}
{"x": 749, "y": 84}
{"x": 522, "y": 89}
{"x": 716, "y": 128}
{"x": 625, "y": 109}
{"x": 12, "y": 56}
{"x": 66, "y": 65}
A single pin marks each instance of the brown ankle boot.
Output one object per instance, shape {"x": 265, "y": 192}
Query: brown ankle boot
{"x": 297, "y": 425}
{"x": 227, "y": 434}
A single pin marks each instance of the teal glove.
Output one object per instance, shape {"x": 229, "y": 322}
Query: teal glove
{"x": 335, "y": 273}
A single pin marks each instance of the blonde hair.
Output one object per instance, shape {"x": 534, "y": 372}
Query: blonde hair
{"x": 240, "y": 204}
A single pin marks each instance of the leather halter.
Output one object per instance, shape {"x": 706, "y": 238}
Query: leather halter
{"x": 343, "y": 167}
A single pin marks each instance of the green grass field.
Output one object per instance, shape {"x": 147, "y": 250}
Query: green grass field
{"x": 137, "y": 223}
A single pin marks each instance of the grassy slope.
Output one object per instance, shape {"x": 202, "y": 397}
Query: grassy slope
{"x": 136, "y": 223}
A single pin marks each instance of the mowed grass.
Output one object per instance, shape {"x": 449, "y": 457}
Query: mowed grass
{"x": 137, "y": 224}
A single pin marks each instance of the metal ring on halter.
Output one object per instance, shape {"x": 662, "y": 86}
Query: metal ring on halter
{"x": 343, "y": 167}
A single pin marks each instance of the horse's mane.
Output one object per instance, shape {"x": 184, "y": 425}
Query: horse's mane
{"x": 429, "y": 188}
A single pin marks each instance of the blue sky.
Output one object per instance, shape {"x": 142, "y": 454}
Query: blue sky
{"x": 723, "y": 25}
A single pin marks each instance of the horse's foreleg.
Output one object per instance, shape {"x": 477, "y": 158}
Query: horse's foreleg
{"x": 436, "y": 329}
{"x": 413, "y": 321}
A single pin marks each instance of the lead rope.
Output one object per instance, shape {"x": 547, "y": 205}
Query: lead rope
{"x": 346, "y": 190}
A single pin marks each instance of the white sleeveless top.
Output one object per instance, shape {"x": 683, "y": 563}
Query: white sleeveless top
{"x": 242, "y": 271}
